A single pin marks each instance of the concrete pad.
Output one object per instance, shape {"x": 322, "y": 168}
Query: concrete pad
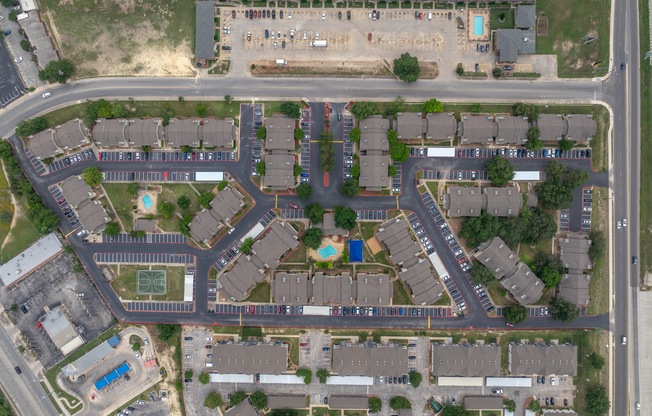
{"x": 38, "y": 37}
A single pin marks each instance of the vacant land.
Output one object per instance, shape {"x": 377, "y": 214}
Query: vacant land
{"x": 23, "y": 233}
{"x": 599, "y": 289}
{"x": 124, "y": 37}
{"x": 646, "y": 147}
{"x": 125, "y": 283}
{"x": 578, "y": 35}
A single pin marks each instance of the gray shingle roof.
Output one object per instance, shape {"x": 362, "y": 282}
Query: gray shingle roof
{"x": 575, "y": 288}
{"x": 483, "y": 402}
{"x": 526, "y": 16}
{"x": 110, "y": 132}
{"x": 332, "y": 289}
{"x": 280, "y": 133}
{"x": 42, "y": 144}
{"x": 182, "y": 132}
{"x": 373, "y": 289}
{"x": 71, "y": 134}
{"x": 145, "y": 132}
{"x": 218, "y": 133}
{"x": 394, "y": 233}
{"x": 205, "y": 225}
{"x": 503, "y": 202}
{"x": 426, "y": 288}
{"x": 542, "y": 359}
{"x": 441, "y": 126}
{"x": 348, "y": 402}
{"x": 552, "y": 127}
{"x": 512, "y": 42}
{"x": 227, "y": 203}
{"x": 370, "y": 360}
{"x": 286, "y": 402}
{"x": 76, "y": 191}
{"x": 477, "y": 128}
{"x": 373, "y": 172}
{"x": 145, "y": 225}
{"x": 204, "y": 30}
{"x": 373, "y": 134}
{"x": 464, "y": 201}
{"x": 291, "y": 288}
{"x": 409, "y": 126}
{"x": 523, "y": 284}
{"x": 279, "y": 171}
{"x": 575, "y": 252}
{"x": 512, "y": 129}
{"x": 328, "y": 225}
{"x": 581, "y": 127}
{"x": 250, "y": 358}
{"x": 92, "y": 216}
{"x": 465, "y": 360}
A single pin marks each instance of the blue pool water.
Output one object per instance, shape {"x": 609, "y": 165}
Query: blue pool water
{"x": 327, "y": 251}
{"x": 147, "y": 201}
{"x": 478, "y": 25}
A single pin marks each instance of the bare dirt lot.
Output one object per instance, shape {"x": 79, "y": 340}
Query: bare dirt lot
{"x": 52, "y": 285}
{"x": 123, "y": 37}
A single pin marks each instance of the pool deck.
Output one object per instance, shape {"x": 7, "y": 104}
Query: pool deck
{"x": 337, "y": 245}
{"x": 486, "y": 34}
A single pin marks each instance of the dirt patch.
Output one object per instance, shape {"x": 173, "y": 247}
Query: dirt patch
{"x": 429, "y": 70}
{"x": 164, "y": 354}
{"x": 352, "y": 69}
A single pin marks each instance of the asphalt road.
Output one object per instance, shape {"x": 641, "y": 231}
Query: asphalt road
{"x": 24, "y": 389}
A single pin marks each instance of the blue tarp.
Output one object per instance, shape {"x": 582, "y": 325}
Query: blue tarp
{"x": 355, "y": 251}
{"x": 112, "y": 376}
{"x": 113, "y": 341}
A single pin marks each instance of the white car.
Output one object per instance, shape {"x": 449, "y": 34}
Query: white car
{"x": 624, "y": 222}
{"x": 18, "y": 59}
{"x": 289, "y": 15}
{"x": 323, "y": 15}
{"x": 137, "y": 355}
{"x": 618, "y": 225}
{"x": 46, "y": 94}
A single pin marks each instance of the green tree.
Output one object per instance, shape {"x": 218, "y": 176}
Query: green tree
{"x": 562, "y": 310}
{"x": 391, "y": 170}
{"x": 283, "y": 412}
{"x": 314, "y": 212}
{"x": 350, "y": 188}
{"x": 500, "y": 171}
{"x": 223, "y": 184}
{"x": 112, "y": 228}
{"x": 510, "y": 405}
{"x": 533, "y": 139}
{"x": 354, "y": 135}
{"x": 181, "y": 99}
{"x": 534, "y": 405}
{"x": 598, "y": 246}
{"x": 565, "y": 144}
{"x": 312, "y": 238}
{"x": 459, "y": 69}
{"x": 204, "y": 378}
{"x": 165, "y": 209}
{"x": 476, "y": 108}
{"x": 31, "y": 126}
{"x": 345, "y": 218}
{"x": 515, "y": 314}
{"x": 291, "y": 109}
{"x": 433, "y": 106}
{"x": 537, "y": 225}
{"x": 497, "y": 72}
{"x": 259, "y": 400}
{"x": 531, "y": 111}
{"x": 396, "y": 106}
{"x": 246, "y": 245}
{"x": 57, "y": 71}
{"x": 479, "y": 229}
{"x": 237, "y": 398}
{"x": 556, "y": 191}
{"x": 13, "y": 16}
{"x": 304, "y": 190}
{"x": 135, "y": 346}
{"x": 118, "y": 110}
{"x": 167, "y": 332}
{"x": 24, "y": 44}
{"x": 299, "y": 134}
{"x": 550, "y": 277}
{"x": 92, "y": 176}
{"x": 183, "y": 224}
{"x": 597, "y": 401}
{"x": 363, "y": 109}
{"x": 306, "y": 373}
{"x": 133, "y": 188}
{"x": 355, "y": 170}
{"x": 406, "y": 68}
{"x": 137, "y": 233}
{"x": 297, "y": 170}
{"x": 201, "y": 109}
{"x": 480, "y": 275}
{"x": 213, "y": 400}
{"x": 375, "y": 404}
{"x": 322, "y": 375}
{"x": 399, "y": 402}
{"x": 415, "y": 378}
{"x": 260, "y": 168}
{"x": 397, "y": 151}
{"x": 326, "y": 151}
{"x": 6, "y": 151}
{"x": 454, "y": 411}
{"x": 228, "y": 99}
{"x": 7, "y": 3}
{"x": 183, "y": 202}
{"x": 596, "y": 360}
{"x": 205, "y": 199}
{"x": 6, "y": 217}
{"x": 261, "y": 133}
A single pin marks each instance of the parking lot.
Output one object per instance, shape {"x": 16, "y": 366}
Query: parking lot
{"x": 460, "y": 175}
{"x": 71, "y": 159}
{"x": 11, "y": 85}
{"x": 38, "y": 165}
{"x": 587, "y": 207}
{"x": 170, "y": 238}
{"x": 547, "y": 153}
{"x": 144, "y": 258}
{"x": 67, "y": 210}
{"x": 194, "y": 156}
{"x": 347, "y": 153}
{"x": 51, "y": 285}
{"x": 196, "y": 351}
{"x": 139, "y": 176}
{"x": 136, "y": 306}
{"x": 304, "y": 157}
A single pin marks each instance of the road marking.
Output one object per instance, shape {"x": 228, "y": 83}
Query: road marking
{"x": 397, "y": 207}
{"x": 240, "y": 318}
{"x": 428, "y": 321}
{"x": 69, "y": 234}
{"x": 276, "y": 202}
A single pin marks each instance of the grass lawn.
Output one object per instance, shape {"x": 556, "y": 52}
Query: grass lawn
{"x": 498, "y": 293}
{"x": 507, "y": 16}
{"x": 444, "y": 300}
{"x": 401, "y": 296}
{"x": 52, "y": 373}
{"x": 260, "y": 293}
{"x": 5, "y": 205}
{"x": 433, "y": 187}
{"x": 122, "y": 201}
{"x": 599, "y": 155}
{"x": 598, "y": 289}
{"x": 567, "y": 29}
{"x": 527, "y": 252}
{"x": 298, "y": 255}
{"x": 212, "y": 274}
{"x": 367, "y": 229}
{"x": 273, "y": 107}
{"x": 293, "y": 348}
{"x": 355, "y": 413}
{"x": 324, "y": 411}
{"x": 21, "y": 236}
{"x": 204, "y": 187}
{"x": 125, "y": 283}
{"x": 645, "y": 232}
{"x": 171, "y": 193}
{"x": 163, "y": 109}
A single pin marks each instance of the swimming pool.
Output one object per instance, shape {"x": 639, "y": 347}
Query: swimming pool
{"x": 478, "y": 25}
{"x": 147, "y": 201}
{"x": 326, "y": 252}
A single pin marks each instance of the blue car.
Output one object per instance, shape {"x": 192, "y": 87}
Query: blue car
{"x": 305, "y": 175}
{"x": 544, "y": 152}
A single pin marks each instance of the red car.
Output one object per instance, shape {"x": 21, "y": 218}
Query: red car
{"x": 293, "y": 205}
{"x": 258, "y": 14}
{"x": 420, "y": 16}
{"x": 303, "y": 344}
{"x": 193, "y": 155}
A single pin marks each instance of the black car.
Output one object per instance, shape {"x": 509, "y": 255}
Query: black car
{"x": 450, "y": 16}
{"x": 348, "y": 15}
{"x": 226, "y": 48}
{"x": 378, "y": 15}
{"x": 283, "y": 45}
{"x": 187, "y": 338}
{"x": 246, "y": 14}
{"x": 266, "y": 33}
{"x": 188, "y": 380}
{"x": 268, "y": 13}
{"x": 339, "y": 15}
{"x": 17, "y": 370}
{"x": 273, "y": 14}
{"x": 280, "y": 14}
{"x": 416, "y": 15}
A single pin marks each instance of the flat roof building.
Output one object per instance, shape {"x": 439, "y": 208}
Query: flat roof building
{"x": 30, "y": 259}
{"x": 441, "y": 126}
{"x": 483, "y": 402}
{"x": 533, "y": 359}
{"x": 250, "y": 357}
{"x": 183, "y": 132}
{"x": 219, "y": 133}
{"x": 370, "y": 359}
{"x": 286, "y": 402}
{"x": 425, "y": 286}
{"x": 204, "y": 30}
{"x": 91, "y": 358}
{"x": 574, "y": 252}
{"x": 373, "y": 289}
{"x": 348, "y": 402}
{"x": 291, "y": 288}
{"x": 409, "y": 126}
{"x": 575, "y": 288}
{"x": 552, "y": 127}
{"x": 477, "y": 128}
{"x": 332, "y": 289}
{"x": 61, "y": 331}
{"x": 464, "y": 360}
{"x": 280, "y": 133}
{"x": 581, "y": 127}
{"x": 374, "y": 174}
{"x": 512, "y": 129}
{"x": 373, "y": 134}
